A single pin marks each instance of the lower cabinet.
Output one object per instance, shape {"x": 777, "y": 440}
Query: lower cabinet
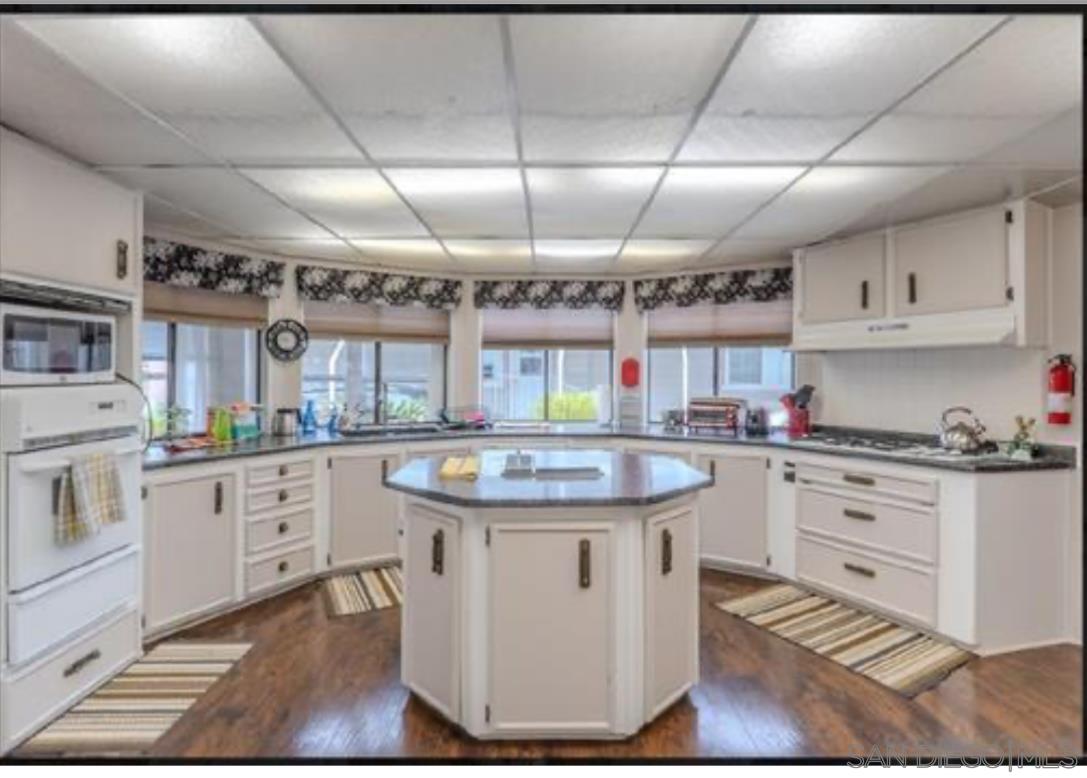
{"x": 365, "y": 515}
{"x": 733, "y": 511}
{"x": 190, "y": 547}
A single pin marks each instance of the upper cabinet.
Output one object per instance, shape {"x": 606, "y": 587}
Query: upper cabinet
{"x": 972, "y": 278}
{"x": 62, "y": 223}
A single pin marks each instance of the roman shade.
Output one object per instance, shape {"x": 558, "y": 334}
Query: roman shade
{"x": 376, "y": 322}
{"x": 547, "y": 328}
{"x": 201, "y": 306}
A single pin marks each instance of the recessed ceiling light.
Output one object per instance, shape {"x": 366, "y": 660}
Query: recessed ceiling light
{"x": 455, "y": 182}
{"x": 570, "y": 250}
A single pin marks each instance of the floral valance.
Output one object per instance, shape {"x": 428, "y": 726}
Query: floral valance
{"x": 178, "y": 264}
{"x": 714, "y": 288}
{"x": 323, "y": 284}
{"x": 550, "y": 293}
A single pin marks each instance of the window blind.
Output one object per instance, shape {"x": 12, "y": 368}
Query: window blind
{"x": 202, "y": 306}
{"x": 768, "y": 323}
{"x": 550, "y": 327}
{"x": 377, "y": 322}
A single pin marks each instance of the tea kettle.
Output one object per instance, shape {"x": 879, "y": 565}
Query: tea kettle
{"x": 966, "y": 435}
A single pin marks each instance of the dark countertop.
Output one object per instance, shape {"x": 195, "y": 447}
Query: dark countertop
{"x": 628, "y": 479}
{"x": 1053, "y": 457}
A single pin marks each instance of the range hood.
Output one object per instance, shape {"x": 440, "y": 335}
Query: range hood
{"x": 983, "y": 327}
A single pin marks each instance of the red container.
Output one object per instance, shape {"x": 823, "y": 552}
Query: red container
{"x": 798, "y": 422}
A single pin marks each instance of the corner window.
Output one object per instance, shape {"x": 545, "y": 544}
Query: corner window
{"x": 559, "y": 384}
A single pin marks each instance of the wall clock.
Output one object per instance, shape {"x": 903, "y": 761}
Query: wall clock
{"x": 287, "y": 340}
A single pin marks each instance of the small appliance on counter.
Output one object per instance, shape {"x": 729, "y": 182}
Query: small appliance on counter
{"x": 675, "y": 419}
{"x": 798, "y": 417}
{"x": 756, "y": 424}
{"x": 717, "y": 414}
{"x": 285, "y": 423}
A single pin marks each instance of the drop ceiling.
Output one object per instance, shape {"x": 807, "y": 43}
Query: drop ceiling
{"x": 552, "y": 143}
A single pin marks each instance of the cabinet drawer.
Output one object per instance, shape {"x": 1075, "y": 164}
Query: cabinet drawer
{"x": 37, "y": 695}
{"x": 263, "y": 475}
{"x": 895, "y": 588}
{"x": 887, "y": 527}
{"x": 262, "y": 534}
{"x": 915, "y": 489}
{"x": 278, "y": 496}
{"x": 278, "y": 569}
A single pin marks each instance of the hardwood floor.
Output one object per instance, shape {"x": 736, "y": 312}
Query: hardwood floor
{"x": 318, "y": 687}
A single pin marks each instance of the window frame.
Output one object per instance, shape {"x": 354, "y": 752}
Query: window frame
{"x": 547, "y": 379}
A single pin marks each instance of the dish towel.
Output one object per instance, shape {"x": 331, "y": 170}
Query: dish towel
{"x": 462, "y": 468}
{"x": 89, "y": 497}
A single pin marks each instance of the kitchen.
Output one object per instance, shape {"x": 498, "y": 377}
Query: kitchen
{"x": 512, "y": 385}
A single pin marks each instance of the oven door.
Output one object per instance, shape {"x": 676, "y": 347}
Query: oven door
{"x": 43, "y": 346}
{"x": 33, "y": 481}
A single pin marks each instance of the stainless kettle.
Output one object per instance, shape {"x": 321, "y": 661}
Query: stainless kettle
{"x": 966, "y": 435}
{"x": 285, "y": 422}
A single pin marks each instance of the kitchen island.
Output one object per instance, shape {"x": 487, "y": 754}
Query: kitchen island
{"x": 551, "y": 606}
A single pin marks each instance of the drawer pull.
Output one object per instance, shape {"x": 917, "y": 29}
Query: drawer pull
{"x": 283, "y": 566}
{"x": 584, "y": 565}
{"x": 865, "y": 571}
{"x": 849, "y": 513}
{"x": 437, "y": 552}
{"x": 283, "y": 527}
{"x": 283, "y": 495}
{"x": 82, "y": 662}
{"x": 860, "y": 480}
{"x": 666, "y": 552}
{"x": 911, "y": 280}
{"x": 122, "y": 259}
{"x": 864, "y": 295}
{"x": 283, "y": 469}
{"x": 218, "y": 497}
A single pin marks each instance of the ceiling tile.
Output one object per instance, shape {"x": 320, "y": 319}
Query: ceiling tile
{"x": 707, "y": 202}
{"x": 418, "y": 87}
{"x": 419, "y": 253}
{"x": 498, "y": 256}
{"x": 223, "y": 197}
{"x": 213, "y": 77}
{"x": 588, "y": 202}
{"x": 568, "y": 253}
{"x": 466, "y": 202}
{"x": 660, "y": 254}
{"x": 354, "y": 203}
{"x": 49, "y": 100}
{"x": 161, "y": 215}
{"x": 615, "y": 87}
{"x": 829, "y": 198}
{"x": 1057, "y": 144}
{"x": 802, "y": 83}
{"x": 736, "y": 251}
{"x": 1025, "y": 75}
{"x": 312, "y": 248}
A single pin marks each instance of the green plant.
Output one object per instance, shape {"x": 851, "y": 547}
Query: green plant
{"x": 408, "y": 409}
{"x": 570, "y": 406}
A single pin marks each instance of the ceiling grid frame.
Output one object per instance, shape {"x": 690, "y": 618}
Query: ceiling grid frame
{"x": 513, "y": 107}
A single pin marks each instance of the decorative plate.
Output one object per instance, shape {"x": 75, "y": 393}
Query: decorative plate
{"x": 287, "y": 340}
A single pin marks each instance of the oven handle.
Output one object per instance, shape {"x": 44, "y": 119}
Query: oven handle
{"x": 58, "y": 464}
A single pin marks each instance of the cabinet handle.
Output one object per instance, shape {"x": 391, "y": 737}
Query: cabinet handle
{"x": 384, "y": 470}
{"x": 912, "y": 281}
{"x": 584, "y": 565}
{"x": 283, "y": 527}
{"x": 859, "y": 480}
{"x": 866, "y": 572}
{"x": 82, "y": 662}
{"x": 666, "y": 552}
{"x": 283, "y": 495}
{"x": 437, "y": 552}
{"x": 864, "y": 295}
{"x": 122, "y": 259}
{"x": 218, "y": 497}
{"x": 282, "y": 470}
{"x": 849, "y": 513}
{"x": 283, "y": 566}
{"x": 56, "y": 496}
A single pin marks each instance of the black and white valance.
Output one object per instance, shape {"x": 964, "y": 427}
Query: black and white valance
{"x": 573, "y": 294}
{"x": 735, "y": 286}
{"x": 323, "y": 284}
{"x": 192, "y": 267}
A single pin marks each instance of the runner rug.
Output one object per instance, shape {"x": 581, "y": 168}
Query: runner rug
{"x": 364, "y": 590}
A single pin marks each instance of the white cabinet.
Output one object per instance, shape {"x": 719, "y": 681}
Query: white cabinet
{"x": 550, "y": 648}
{"x": 733, "y": 511}
{"x": 843, "y": 280}
{"x": 190, "y": 547}
{"x": 365, "y": 514}
{"x": 63, "y": 223}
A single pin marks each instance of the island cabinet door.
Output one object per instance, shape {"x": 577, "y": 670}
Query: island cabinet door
{"x": 671, "y": 576}
{"x": 551, "y": 652}
{"x": 732, "y": 513}
{"x": 365, "y": 514}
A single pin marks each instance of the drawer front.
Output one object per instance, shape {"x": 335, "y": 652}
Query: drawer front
{"x": 887, "y": 527}
{"x": 264, "y": 475}
{"x": 279, "y": 569}
{"x": 896, "y": 589}
{"x": 275, "y": 497}
{"x": 921, "y": 490}
{"x": 42, "y": 617}
{"x": 262, "y": 534}
{"x": 34, "y": 697}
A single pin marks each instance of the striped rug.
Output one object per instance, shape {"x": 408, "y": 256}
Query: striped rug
{"x": 364, "y": 590}
{"x": 128, "y": 714}
{"x": 900, "y": 658}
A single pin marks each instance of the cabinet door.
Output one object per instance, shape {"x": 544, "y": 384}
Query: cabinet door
{"x": 550, "y": 650}
{"x": 431, "y": 580}
{"x": 843, "y": 281}
{"x": 191, "y": 548}
{"x": 60, "y": 222}
{"x": 365, "y": 513}
{"x": 671, "y": 609}
{"x": 732, "y": 513}
{"x": 954, "y": 265}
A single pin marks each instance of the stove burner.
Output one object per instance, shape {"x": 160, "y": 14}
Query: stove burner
{"x": 909, "y": 446}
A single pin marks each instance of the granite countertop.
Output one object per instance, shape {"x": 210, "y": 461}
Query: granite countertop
{"x": 627, "y": 479}
{"x": 1052, "y": 458}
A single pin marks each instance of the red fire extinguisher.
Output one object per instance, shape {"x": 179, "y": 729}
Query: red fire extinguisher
{"x": 1062, "y": 386}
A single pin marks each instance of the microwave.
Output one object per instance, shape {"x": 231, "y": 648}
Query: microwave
{"x": 50, "y": 346}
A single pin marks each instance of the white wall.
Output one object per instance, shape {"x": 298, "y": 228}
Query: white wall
{"x": 629, "y": 341}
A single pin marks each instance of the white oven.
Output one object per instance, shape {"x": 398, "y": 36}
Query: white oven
{"x": 51, "y": 346}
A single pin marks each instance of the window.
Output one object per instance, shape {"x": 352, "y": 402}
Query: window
{"x": 757, "y": 374}
{"x": 413, "y": 378}
{"x": 188, "y": 368}
{"x": 339, "y": 372}
{"x": 559, "y": 384}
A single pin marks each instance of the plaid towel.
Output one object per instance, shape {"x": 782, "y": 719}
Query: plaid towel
{"x": 90, "y": 496}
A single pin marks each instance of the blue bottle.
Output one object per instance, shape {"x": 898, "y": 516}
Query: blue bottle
{"x": 309, "y": 419}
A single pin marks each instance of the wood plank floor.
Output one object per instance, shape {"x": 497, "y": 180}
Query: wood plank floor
{"x": 318, "y": 687}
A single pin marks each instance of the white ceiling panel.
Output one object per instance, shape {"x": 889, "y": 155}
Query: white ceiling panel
{"x": 588, "y": 202}
{"x": 419, "y": 87}
{"x": 802, "y": 83}
{"x": 737, "y": 251}
{"x": 496, "y": 256}
{"x": 313, "y": 248}
{"x": 829, "y": 198}
{"x": 161, "y": 215}
{"x": 47, "y": 99}
{"x": 466, "y": 202}
{"x": 354, "y": 203}
{"x": 1025, "y": 75}
{"x": 214, "y": 78}
{"x": 423, "y": 253}
{"x": 652, "y": 255}
{"x": 223, "y": 197}
{"x": 614, "y": 87}
{"x": 707, "y": 202}
{"x": 1057, "y": 144}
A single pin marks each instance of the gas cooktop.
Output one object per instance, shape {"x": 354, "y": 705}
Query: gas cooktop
{"x": 889, "y": 443}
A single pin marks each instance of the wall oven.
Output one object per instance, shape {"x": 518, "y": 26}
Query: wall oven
{"x": 51, "y": 346}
